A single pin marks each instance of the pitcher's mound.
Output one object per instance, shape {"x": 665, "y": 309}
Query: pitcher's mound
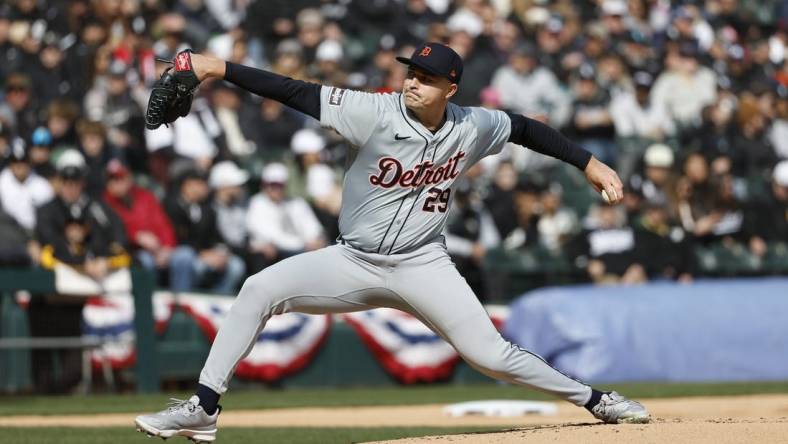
{"x": 711, "y": 431}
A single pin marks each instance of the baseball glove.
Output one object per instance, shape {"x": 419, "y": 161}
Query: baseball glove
{"x": 173, "y": 93}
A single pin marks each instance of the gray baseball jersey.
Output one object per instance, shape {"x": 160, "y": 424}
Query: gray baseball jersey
{"x": 397, "y": 193}
{"x": 396, "y": 196}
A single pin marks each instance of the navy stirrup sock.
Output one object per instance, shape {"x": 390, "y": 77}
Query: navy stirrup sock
{"x": 596, "y": 396}
{"x": 209, "y": 399}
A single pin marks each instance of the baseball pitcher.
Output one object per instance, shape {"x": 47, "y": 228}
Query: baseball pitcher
{"x": 413, "y": 147}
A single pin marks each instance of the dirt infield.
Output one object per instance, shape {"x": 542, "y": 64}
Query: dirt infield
{"x": 717, "y": 420}
{"x": 677, "y": 431}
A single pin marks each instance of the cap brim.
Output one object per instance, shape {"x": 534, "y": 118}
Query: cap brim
{"x": 72, "y": 176}
{"x": 411, "y": 62}
{"x": 236, "y": 181}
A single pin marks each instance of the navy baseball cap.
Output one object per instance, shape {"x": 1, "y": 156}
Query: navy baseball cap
{"x": 436, "y": 58}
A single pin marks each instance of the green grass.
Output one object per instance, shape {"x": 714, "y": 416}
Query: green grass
{"x": 115, "y": 435}
{"x": 268, "y": 399}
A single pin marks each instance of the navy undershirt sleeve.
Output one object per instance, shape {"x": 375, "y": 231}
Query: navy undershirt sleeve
{"x": 297, "y": 94}
{"x": 541, "y": 138}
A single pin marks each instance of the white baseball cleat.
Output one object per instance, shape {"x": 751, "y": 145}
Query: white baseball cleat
{"x": 181, "y": 418}
{"x": 616, "y": 409}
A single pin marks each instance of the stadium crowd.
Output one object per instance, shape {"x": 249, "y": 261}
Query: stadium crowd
{"x": 688, "y": 100}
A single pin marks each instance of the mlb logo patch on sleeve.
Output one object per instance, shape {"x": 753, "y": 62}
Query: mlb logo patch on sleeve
{"x": 335, "y": 98}
{"x": 182, "y": 62}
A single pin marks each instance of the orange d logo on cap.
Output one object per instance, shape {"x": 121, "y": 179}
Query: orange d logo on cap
{"x": 425, "y": 51}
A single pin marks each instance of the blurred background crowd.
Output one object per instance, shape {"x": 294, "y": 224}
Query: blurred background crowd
{"x": 688, "y": 100}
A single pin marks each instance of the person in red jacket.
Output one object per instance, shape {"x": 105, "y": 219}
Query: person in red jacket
{"x": 148, "y": 228}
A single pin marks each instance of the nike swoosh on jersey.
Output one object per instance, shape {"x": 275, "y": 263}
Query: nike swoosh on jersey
{"x": 398, "y": 137}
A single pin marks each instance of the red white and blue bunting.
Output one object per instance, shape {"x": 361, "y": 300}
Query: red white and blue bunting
{"x": 286, "y": 345}
{"x": 111, "y": 320}
{"x": 403, "y": 345}
{"x": 406, "y": 348}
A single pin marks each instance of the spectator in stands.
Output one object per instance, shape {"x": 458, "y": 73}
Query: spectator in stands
{"x": 729, "y": 227}
{"x": 107, "y": 235}
{"x": 532, "y": 90}
{"x": 414, "y": 19}
{"x": 766, "y": 217}
{"x": 614, "y": 16}
{"x": 85, "y": 235}
{"x": 697, "y": 198}
{"x": 658, "y": 184}
{"x": 309, "y": 31}
{"x": 148, "y": 229}
{"x": 553, "y": 38}
{"x": 500, "y": 198}
{"x": 270, "y": 125}
{"x": 40, "y": 153}
{"x": 230, "y": 202}
{"x": 590, "y": 122}
{"x": 61, "y": 119}
{"x": 751, "y": 153}
{"x": 227, "y": 103}
{"x": 97, "y": 150}
{"x": 110, "y": 102}
{"x": 557, "y": 222}
{"x": 273, "y": 21}
{"x": 79, "y": 57}
{"x": 382, "y": 60}
{"x": 289, "y": 59}
{"x": 21, "y": 190}
{"x": 656, "y": 232}
{"x": 200, "y": 253}
{"x": 308, "y": 147}
{"x": 637, "y": 122}
{"x": 316, "y": 181}
{"x": 713, "y": 137}
{"x": 487, "y": 56}
{"x": 18, "y": 108}
{"x": 280, "y": 226}
{"x": 328, "y": 63}
{"x": 526, "y": 198}
{"x": 689, "y": 25}
{"x": 49, "y": 75}
{"x": 470, "y": 233}
{"x": 633, "y": 200}
{"x": 609, "y": 248}
{"x": 638, "y": 50}
{"x": 612, "y": 75}
{"x": 685, "y": 87}
{"x": 593, "y": 45}
{"x": 743, "y": 71}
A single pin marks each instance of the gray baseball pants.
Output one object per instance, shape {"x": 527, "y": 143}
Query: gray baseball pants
{"x": 341, "y": 279}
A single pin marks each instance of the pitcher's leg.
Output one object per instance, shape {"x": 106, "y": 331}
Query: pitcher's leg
{"x": 330, "y": 280}
{"x": 322, "y": 281}
{"x": 441, "y": 298}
